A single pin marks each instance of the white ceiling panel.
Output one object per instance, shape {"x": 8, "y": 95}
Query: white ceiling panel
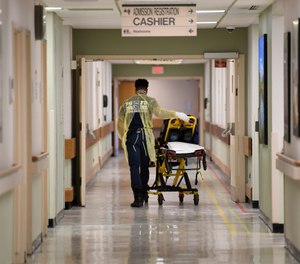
{"x": 106, "y": 13}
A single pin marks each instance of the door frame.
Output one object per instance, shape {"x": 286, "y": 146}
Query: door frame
{"x": 21, "y": 100}
{"x": 238, "y": 175}
{"x": 79, "y": 119}
{"x": 116, "y": 99}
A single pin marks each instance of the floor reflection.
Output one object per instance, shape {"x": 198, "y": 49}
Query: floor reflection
{"x": 108, "y": 230}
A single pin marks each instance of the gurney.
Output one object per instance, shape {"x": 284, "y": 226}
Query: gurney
{"x": 174, "y": 148}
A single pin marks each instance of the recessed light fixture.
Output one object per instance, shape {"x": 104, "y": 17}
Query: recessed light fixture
{"x": 52, "y": 8}
{"x": 209, "y": 11}
{"x": 159, "y": 61}
{"x": 206, "y": 22}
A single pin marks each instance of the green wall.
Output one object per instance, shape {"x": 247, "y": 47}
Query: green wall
{"x": 110, "y": 42}
{"x": 186, "y": 70}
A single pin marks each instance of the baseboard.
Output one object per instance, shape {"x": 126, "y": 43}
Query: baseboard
{"x": 68, "y": 205}
{"x": 274, "y": 227}
{"x": 36, "y": 243}
{"x": 278, "y": 228}
{"x": 291, "y": 248}
{"x": 52, "y": 222}
{"x": 255, "y": 204}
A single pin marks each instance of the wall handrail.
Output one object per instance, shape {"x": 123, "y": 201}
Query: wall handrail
{"x": 39, "y": 157}
{"x": 288, "y": 166}
{"x": 288, "y": 159}
{"x": 10, "y": 170}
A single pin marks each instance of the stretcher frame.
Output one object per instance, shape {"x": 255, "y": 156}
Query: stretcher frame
{"x": 172, "y": 165}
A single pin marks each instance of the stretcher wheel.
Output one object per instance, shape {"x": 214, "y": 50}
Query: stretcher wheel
{"x": 146, "y": 198}
{"x": 160, "y": 199}
{"x": 196, "y": 199}
{"x": 181, "y": 196}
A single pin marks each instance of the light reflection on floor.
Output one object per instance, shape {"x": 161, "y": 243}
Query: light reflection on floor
{"x": 109, "y": 231}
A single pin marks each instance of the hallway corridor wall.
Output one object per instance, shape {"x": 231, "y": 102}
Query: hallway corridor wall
{"x": 55, "y": 73}
{"x": 270, "y": 179}
{"x": 21, "y": 145}
{"x": 288, "y": 160}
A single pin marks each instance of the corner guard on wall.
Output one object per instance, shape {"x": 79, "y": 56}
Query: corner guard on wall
{"x": 70, "y": 148}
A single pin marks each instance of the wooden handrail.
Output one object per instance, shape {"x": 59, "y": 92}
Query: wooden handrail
{"x": 99, "y": 133}
{"x": 10, "y": 170}
{"x": 216, "y": 131}
{"x": 39, "y": 157}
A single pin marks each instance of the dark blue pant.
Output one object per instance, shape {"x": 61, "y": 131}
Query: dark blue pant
{"x": 138, "y": 160}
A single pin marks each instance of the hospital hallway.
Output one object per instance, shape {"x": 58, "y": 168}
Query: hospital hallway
{"x": 107, "y": 230}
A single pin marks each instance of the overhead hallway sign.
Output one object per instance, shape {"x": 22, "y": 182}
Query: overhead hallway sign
{"x": 159, "y": 20}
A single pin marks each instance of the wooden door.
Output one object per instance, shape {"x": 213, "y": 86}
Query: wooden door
{"x": 126, "y": 90}
{"x": 237, "y": 158}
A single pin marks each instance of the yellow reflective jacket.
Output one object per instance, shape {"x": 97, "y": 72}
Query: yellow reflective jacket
{"x": 146, "y": 106}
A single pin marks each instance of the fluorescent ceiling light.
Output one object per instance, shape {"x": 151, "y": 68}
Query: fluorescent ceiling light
{"x": 209, "y": 11}
{"x": 158, "y": 61}
{"x": 206, "y": 22}
{"x": 221, "y": 55}
{"x": 52, "y": 8}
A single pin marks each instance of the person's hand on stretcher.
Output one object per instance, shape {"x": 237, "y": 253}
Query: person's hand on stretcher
{"x": 182, "y": 116}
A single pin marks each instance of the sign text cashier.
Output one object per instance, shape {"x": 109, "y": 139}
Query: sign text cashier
{"x": 161, "y": 20}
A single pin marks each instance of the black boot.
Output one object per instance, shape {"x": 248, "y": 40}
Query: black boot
{"x": 138, "y": 199}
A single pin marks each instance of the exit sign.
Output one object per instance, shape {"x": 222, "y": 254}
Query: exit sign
{"x": 157, "y": 70}
{"x": 220, "y": 63}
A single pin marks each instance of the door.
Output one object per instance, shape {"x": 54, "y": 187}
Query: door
{"x": 22, "y": 152}
{"x": 237, "y": 128}
{"x": 79, "y": 132}
{"x": 82, "y": 132}
{"x": 126, "y": 90}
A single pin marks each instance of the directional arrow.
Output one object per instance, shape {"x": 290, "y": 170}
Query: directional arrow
{"x": 191, "y": 11}
{"x": 191, "y": 21}
{"x": 127, "y": 11}
{"x": 191, "y": 31}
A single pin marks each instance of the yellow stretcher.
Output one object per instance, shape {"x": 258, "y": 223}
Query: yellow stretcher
{"x": 173, "y": 149}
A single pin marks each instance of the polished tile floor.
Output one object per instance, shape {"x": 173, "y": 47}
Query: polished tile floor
{"x": 107, "y": 230}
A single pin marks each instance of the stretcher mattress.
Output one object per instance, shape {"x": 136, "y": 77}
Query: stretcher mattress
{"x": 183, "y": 148}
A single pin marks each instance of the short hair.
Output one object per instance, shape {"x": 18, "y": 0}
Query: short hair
{"x": 141, "y": 84}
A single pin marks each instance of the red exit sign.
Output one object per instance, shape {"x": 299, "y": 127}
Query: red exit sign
{"x": 220, "y": 63}
{"x": 157, "y": 70}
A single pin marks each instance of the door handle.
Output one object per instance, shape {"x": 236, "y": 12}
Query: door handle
{"x": 229, "y": 130}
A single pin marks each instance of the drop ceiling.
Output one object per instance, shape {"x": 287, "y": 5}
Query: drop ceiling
{"x": 106, "y": 14}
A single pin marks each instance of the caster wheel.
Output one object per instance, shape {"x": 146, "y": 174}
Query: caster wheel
{"x": 160, "y": 199}
{"x": 196, "y": 199}
{"x": 181, "y": 197}
{"x": 146, "y": 198}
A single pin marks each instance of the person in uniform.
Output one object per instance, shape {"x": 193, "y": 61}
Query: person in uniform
{"x": 135, "y": 129}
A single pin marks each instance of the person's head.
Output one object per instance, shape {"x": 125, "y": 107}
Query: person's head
{"x": 141, "y": 86}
